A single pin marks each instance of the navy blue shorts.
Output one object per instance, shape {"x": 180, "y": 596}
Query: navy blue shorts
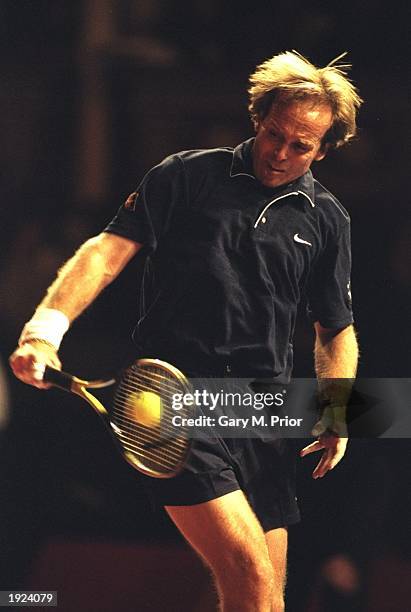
{"x": 263, "y": 470}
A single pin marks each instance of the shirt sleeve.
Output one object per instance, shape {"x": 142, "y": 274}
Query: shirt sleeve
{"x": 329, "y": 286}
{"x": 146, "y": 214}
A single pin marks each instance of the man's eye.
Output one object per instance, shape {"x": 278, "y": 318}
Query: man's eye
{"x": 301, "y": 147}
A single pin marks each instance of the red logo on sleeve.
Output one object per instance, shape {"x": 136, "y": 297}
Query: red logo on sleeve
{"x": 130, "y": 203}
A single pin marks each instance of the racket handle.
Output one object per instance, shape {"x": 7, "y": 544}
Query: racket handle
{"x": 58, "y": 378}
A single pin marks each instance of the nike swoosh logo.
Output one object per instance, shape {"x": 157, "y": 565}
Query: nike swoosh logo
{"x": 301, "y": 241}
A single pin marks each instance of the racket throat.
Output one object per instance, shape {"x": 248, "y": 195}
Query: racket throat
{"x": 79, "y": 389}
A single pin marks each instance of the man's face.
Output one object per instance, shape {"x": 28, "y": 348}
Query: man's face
{"x": 288, "y": 140}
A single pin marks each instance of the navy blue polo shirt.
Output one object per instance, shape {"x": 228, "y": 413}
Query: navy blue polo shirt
{"x": 227, "y": 260}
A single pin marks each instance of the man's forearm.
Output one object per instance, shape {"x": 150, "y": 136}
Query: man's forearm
{"x": 336, "y": 353}
{"x": 336, "y": 359}
{"x": 87, "y": 273}
{"x": 78, "y": 282}
{"x": 97, "y": 262}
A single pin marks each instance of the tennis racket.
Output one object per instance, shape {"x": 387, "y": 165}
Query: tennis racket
{"x": 141, "y": 420}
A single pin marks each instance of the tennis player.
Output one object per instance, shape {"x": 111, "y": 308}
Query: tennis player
{"x": 232, "y": 239}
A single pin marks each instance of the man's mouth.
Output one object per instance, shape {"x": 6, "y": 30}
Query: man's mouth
{"x": 274, "y": 169}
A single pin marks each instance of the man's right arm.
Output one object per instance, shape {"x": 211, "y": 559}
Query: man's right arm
{"x": 94, "y": 266}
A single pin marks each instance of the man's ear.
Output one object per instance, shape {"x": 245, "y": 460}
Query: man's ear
{"x": 322, "y": 152}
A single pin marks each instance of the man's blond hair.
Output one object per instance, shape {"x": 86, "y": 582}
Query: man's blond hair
{"x": 289, "y": 76}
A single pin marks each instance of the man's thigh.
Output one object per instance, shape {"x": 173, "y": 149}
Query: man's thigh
{"x": 277, "y": 543}
{"x": 222, "y": 530}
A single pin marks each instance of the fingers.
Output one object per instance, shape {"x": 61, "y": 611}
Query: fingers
{"x": 322, "y": 467}
{"x": 328, "y": 461}
{"x": 311, "y": 448}
{"x": 333, "y": 451}
{"x": 29, "y": 361}
{"x": 26, "y": 369}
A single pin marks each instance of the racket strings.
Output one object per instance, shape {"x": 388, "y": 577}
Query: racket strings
{"x": 137, "y": 444}
{"x": 144, "y": 433}
{"x": 151, "y": 461}
{"x": 126, "y": 399}
{"x": 166, "y": 392}
{"x": 157, "y": 454}
{"x": 167, "y": 456}
{"x": 152, "y": 377}
{"x": 159, "y": 446}
{"x": 162, "y": 385}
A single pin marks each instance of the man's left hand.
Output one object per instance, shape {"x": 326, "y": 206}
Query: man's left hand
{"x": 333, "y": 448}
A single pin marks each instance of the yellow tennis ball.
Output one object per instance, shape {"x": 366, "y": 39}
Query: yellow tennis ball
{"x": 145, "y": 407}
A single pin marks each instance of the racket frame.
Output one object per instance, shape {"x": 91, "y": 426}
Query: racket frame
{"x": 79, "y": 387}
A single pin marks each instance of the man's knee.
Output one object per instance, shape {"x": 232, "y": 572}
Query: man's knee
{"x": 246, "y": 567}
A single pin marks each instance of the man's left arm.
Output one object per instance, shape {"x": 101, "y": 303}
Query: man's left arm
{"x": 336, "y": 358}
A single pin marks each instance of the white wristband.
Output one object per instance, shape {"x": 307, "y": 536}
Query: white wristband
{"x": 47, "y": 324}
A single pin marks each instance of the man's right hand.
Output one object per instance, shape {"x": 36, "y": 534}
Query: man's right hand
{"x": 28, "y": 361}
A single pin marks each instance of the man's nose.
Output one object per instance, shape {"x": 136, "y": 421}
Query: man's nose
{"x": 281, "y": 152}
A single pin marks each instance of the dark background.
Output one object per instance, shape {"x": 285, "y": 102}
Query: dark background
{"x": 93, "y": 93}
